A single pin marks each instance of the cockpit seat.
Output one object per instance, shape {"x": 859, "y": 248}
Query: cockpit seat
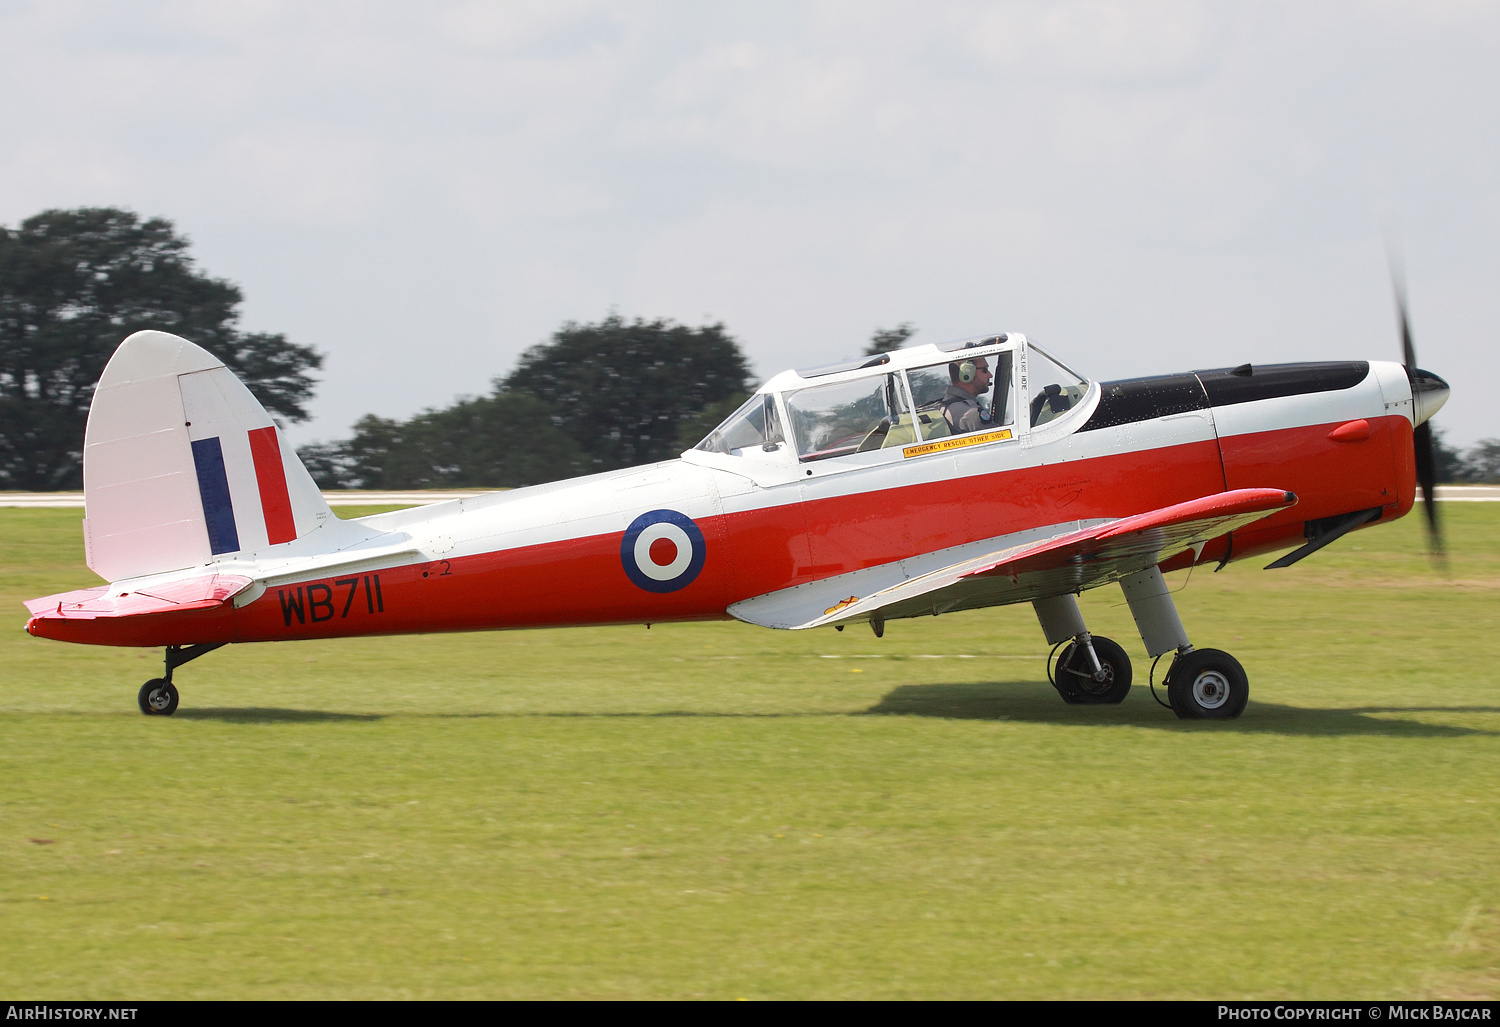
{"x": 935, "y": 425}
{"x": 902, "y": 433}
{"x": 876, "y": 438}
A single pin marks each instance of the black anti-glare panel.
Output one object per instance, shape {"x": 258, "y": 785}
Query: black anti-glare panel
{"x": 1272, "y": 381}
{"x": 1144, "y": 399}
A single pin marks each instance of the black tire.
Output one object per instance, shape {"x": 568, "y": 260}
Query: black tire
{"x": 1075, "y": 676}
{"x": 1207, "y": 684}
{"x": 158, "y": 698}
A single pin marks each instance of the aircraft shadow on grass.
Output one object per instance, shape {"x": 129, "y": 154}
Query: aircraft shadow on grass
{"x": 284, "y": 715}
{"x": 271, "y": 715}
{"x": 1033, "y": 702}
{"x": 1018, "y": 701}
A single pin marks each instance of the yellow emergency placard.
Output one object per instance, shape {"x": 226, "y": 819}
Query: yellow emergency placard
{"x": 957, "y": 442}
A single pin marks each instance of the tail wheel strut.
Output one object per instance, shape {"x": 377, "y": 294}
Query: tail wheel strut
{"x": 158, "y": 697}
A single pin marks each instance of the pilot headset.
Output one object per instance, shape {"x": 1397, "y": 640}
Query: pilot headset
{"x": 967, "y": 372}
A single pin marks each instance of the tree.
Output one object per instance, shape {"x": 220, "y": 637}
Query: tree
{"x": 488, "y": 442}
{"x": 623, "y": 390}
{"x": 1447, "y": 463}
{"x": 1482, "y": 462}
{"x": 594, "y": 397}
{"x": 73, "y": 285}
{"x": 696, "y": 429}
{"x": 883, "y": 340}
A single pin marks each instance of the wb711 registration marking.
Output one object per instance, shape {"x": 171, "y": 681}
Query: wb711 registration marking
{"x": 319, "y": 601}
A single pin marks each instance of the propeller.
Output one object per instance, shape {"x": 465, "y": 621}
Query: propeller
{"x": 1428, "y": 393}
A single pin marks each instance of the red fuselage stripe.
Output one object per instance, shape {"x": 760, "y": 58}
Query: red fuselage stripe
{"x": 752, "y": 552}
{"x": 270, "y": 475}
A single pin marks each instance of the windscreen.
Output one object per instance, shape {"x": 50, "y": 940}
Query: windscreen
{"x": 1054, "y": 388}
{"x": 755, "y": 424}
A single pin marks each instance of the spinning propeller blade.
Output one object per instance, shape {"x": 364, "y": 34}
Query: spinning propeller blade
{"x": 1428, "y": 393}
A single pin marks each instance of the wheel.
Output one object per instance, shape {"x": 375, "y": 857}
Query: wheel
{"x": 158, "y": 698}
{"x": 1207, "y": 684}
{"x": 1075, "y": 676}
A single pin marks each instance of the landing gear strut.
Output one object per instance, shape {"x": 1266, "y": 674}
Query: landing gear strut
{"x": 1093, "y": 669}
{"x": 1202, "y": 684}
{"x": 158, "y": 697}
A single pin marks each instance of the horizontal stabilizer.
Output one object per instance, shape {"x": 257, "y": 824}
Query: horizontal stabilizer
{"x": 1065, "y": 563}
{"x": 200, "y": 593}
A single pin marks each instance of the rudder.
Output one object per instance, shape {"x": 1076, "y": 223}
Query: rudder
{"x": 182, "y": 465}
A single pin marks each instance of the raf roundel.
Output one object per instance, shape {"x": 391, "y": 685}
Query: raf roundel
{"x": 662, "y": 551}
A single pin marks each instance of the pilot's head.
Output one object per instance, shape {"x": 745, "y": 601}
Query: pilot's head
{"x": 973, "y": 376}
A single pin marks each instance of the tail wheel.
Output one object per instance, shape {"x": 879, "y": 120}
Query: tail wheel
{"x": 1207, "y": 684}
{"x": 158, "y": 698}
{"x": 1075, "y": 674}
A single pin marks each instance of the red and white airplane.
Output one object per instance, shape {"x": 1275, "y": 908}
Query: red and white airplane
{"x": 840, "y": 494}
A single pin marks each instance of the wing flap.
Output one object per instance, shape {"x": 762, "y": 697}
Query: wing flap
{"x": 1066, "y": 562}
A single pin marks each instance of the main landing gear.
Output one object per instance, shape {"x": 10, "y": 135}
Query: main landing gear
{"x": 158, "y": 697}
{"x": 1202, "y": 684}
{"x": 1093, "y": 669}
{"x": 1207, "y": 684}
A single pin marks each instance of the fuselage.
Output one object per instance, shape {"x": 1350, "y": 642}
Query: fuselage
{"x": 688, "y": 538}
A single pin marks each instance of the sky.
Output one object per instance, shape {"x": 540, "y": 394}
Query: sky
{"x": 422, "y": 191}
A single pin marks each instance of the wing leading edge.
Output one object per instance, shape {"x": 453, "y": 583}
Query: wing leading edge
{"x": 1065, "y": 563}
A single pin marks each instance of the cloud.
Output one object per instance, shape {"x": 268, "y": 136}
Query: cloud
{"x": 1096, "y": 42}
{"x": 425, "y": 190}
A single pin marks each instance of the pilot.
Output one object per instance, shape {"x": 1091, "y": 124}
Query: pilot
{"x": 968, "y": 380}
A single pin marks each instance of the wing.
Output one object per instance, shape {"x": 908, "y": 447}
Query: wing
{"x": 1033, "y": 569}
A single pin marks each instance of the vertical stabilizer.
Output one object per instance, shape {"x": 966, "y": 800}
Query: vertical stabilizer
{"x": 182, "y": 465}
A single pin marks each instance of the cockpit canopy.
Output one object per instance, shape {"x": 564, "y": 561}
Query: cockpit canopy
{"x": 902, "y": 398}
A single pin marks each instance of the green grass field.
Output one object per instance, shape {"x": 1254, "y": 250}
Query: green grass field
{"x": 722, "y": 811}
